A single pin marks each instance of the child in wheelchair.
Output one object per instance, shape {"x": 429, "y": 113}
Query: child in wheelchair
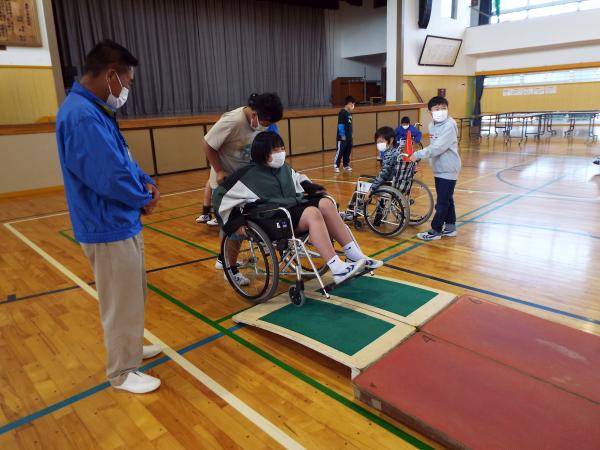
{"x": 391, "y": 151}
{"x": 268, "y": 183}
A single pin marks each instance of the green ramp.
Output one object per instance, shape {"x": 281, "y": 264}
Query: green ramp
{"x": 406, "y": 302}
{"x": 343, "y": 332}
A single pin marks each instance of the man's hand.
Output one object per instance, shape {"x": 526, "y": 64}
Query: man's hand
{"x": 221, "y": 175}
{"x": 414, "y": 158}
{"x": 155, "y": 197}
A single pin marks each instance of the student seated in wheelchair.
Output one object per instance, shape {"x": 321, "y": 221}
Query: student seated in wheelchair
{"x": 390, "y": 150}
{"x": 268, "y": 183}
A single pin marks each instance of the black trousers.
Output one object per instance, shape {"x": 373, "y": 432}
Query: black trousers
{"x": 344, "y": 148}
{"x": 444, "y": 205}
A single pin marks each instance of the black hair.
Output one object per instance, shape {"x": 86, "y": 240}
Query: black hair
{"x": 387, "y": 133}
{"x": 104, "y": 54}
{"x": 263, "y": 145}
{"x": 267, "y": 105}
{"x": 405, "y": 119}
{"x": 437, "y": 100}
{"x": 349, "y": 99}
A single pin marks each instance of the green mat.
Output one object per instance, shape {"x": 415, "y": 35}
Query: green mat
{"x": 343, "y": 329}
{"x": 398, "y": 298}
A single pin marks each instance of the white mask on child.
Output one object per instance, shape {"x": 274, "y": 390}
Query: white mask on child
{"x": 381, "y": 146}
{"x": 405, "y": 127}
{"x": 439, "y": 116}
{"x": 277, "y": 160}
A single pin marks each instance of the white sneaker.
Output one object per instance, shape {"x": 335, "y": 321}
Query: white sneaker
{"x": 139, "y": 383}
{"x": 336, "y": 169}
{"x": 239, "y": 279}
{"x": 351, "y": 270}
{"x": 212, "y": 222}
{"x": 348, "y": 169}
{"x": 219, "y": 264}
{"x": 150, "y": 351}
{"x": 369, "y": 263}
{"x": 203, "y": 218}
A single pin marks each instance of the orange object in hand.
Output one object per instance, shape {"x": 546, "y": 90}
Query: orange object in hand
{"x": 409, "y": 146}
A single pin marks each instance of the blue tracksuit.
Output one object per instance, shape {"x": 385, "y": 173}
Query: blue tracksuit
{"x": 105, "y": 187}
{"x": 414, "y": 132}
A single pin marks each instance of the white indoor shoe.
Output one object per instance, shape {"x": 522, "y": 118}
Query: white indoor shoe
{"x": 150, "y": 351}
{"x": 139, "y": 383}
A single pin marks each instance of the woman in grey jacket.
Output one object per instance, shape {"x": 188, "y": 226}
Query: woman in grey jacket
{"x": 270, "y": 182}
{"x": 445, "y": 164}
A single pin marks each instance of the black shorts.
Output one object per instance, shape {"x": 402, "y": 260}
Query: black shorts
{"x": 296, "y": 211}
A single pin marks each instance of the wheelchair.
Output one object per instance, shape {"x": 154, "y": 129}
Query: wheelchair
{"x": 269, "y": 250}
{"x": 394, "y": 205}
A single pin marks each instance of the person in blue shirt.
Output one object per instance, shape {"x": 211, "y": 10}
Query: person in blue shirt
{"x": 106, "y": 194}
{"x": 404, "y": 128}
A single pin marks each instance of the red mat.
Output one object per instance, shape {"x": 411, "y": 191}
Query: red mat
{"x": 462, "y": 399}
{"x": 567, "y": 358}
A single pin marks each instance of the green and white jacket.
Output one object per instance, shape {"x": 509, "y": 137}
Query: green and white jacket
{"x": 262, "y": 185}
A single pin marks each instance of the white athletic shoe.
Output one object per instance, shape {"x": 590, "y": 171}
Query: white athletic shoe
{"x": 351, "y": 270}
{"x": 219, "y": 264}
{"x": 139, "y": 383}
{"x": 212, "y": 222}
{"x": 150, "y": 351}
{"x": 370, "y": 263}
{"x": 336, "y": 169}
{"x": 239, "y": 279}
{"x": 348, "y": 169}
{"x": 203, "y": 218}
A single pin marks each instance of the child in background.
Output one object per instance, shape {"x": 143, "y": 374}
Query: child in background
{"x": 404, "y": 128}
{"x": 344, "y": 136}
{"x": 445, "y": 164}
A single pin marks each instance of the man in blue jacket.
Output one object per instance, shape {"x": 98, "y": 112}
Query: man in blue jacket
{"x": 106, "y": 193}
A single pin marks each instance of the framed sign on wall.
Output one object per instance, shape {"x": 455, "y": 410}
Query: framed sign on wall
{"x": 439, "y": 51}
{"x": 19, "y": 24}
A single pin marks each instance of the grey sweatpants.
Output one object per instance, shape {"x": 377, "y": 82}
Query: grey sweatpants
{"x": 121, "y": 284}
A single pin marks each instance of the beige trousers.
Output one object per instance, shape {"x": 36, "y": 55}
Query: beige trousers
{"x": 121, "y": 284}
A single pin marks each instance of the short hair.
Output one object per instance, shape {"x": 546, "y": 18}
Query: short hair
{"x": 405, "y": 119}
{"x": 104, "y": 54}
{"x": 386, "y": 133}
{"x": 263, "y": 145}
{"x": 437, "y": 100}
{"x": 349, "y": 99}
{"x": 267, "y": 105}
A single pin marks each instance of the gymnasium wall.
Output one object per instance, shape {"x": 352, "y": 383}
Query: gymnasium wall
{"x": 459, "y": 91}
{"x": 568, "y": 97}
{"x": 27, "y": 89}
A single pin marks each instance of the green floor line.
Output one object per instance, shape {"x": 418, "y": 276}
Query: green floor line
{"x": 170, "y": 218}
{"x": 403, "y": 241}
{"x": 229, "y": 316}
{"x": 64, "y": 234}
{"x": 297, "y": 373}
{"x": 177, "y": 238}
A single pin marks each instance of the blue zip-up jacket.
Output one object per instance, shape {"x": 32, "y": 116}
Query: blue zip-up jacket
{"x": 414, "y": 132}
{"x": 105, "y": 188}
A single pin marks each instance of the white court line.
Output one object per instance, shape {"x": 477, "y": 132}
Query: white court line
{"x": 254, "y": 417}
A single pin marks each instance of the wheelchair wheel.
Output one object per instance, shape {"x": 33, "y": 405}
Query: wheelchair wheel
{"x": 259, "y": 274}
{"x": 296, "y": 296}
{"x": 421, "y": 203}
{"x": 317, "y": 259}
{"x": 387, "y": 211}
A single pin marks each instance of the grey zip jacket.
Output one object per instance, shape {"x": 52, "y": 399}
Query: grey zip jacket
{"x": 443, "y": 149}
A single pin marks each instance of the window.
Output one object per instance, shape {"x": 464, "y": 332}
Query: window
{"x": 539, "y": 78}
{"x": 449, "y": 9}
{"x": 511, "y": 10}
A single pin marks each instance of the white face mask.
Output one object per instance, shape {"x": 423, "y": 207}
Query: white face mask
{"x": 277, "y": 160}
{"x": 258, "y": 126}
{"x": 405, "y": 127}
{"x": 381, "y": 146}
{"x": 117, "y": 102}
{"x": 439, "y": 116}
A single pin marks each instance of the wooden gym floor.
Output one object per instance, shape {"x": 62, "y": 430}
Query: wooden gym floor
{"x": 528, "y": 238}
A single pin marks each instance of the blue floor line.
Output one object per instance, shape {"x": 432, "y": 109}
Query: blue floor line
{"x": 538, "y": 227}
{"x": 466, "y": 222}
{"x": 87, "y": 393}
{"x": 496, "y": 294}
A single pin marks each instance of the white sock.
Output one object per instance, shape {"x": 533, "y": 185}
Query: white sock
{"x": 353, "y": 251}
{"x": 336, "y": 265}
